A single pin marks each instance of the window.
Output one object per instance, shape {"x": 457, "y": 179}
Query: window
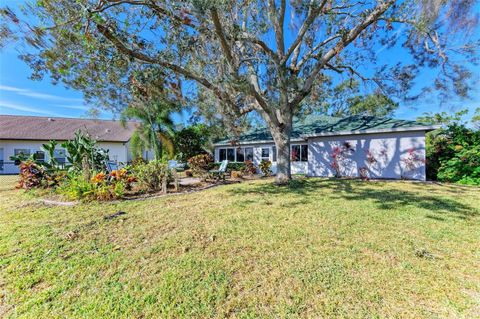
{"x": 240, "y": 155}
{"x": 299, "y": 153}
{"x": 304, "y": 153}
{"x": 231, "y": 154}
{"x": 39, "y": 156}
{"x": 249, "y": 153}
{"x": 1, "y": 159}
{"x": 265, "y": 154}
{"x": 222, "y": 154}
{"x": 295, "y": 153}
{"x": 21, "y": 152}
{"x": 274, "y": 153}
{"x": 237, "y": 154}
{"x": 59, "y": 155}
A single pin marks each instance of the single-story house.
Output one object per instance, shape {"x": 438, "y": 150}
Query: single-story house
{"x": 26, "y": 134}
{"x": 326, "y": 146}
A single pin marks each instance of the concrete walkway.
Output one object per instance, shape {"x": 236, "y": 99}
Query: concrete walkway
{"x": 188, "y": 181}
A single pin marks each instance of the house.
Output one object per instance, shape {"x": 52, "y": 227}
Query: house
{"x": 26, "y": 134}
{"x": 353, "y": 146}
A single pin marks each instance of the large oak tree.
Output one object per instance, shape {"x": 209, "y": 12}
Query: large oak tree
{"x": 273, "y": 57}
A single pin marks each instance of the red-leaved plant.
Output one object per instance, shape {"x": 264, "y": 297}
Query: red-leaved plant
{"x": 31, "y": 175}
{"x": 412, "y": 160}
{"x": 250, "y": 168}
{"x": 338, "y": 155}
{"x": 363, "y": 171}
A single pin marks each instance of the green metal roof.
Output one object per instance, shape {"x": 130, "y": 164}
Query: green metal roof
{"x": 319, "y": 125}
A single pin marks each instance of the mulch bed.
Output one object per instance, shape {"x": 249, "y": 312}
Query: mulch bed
{"x": 133, "y": 197}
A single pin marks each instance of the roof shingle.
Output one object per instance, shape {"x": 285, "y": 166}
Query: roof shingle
{"x": 14, "y": 127}
{"x": 318, "y": 125}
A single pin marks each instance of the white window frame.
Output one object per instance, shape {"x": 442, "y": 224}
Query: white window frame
{"x": 245, "y": 153}
{"x": 40, "y": 152}
{"x": 19, "y": 150}
{"x": 265, "y": 158}
{"x": 302, "y": 160}
{"x": 235, "y": 149}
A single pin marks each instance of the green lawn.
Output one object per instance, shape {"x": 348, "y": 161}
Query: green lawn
{"x": 320, "y": 248}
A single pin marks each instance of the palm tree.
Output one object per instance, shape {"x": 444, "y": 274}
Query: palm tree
{"x": 156, "y": 128}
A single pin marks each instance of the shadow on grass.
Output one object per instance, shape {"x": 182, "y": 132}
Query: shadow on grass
{"x": 388, "y": 198}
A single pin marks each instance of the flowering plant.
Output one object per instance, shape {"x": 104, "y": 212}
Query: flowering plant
{"x": 98, "y": 178}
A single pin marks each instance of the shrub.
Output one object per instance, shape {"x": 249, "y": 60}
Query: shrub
{"x": 363, "y": 171}
{"x": 191, "y": 141}
{"x": 265, "y": 167}
{"x": 122, "y": 175}
{"x": 200, "y": 164}
{"x": 249, "y": 168}
{"x": 101, "y": 186}
{"x": 31, "y": 175}
{"x": 235, "y": 166}
{"x": 76, "y": 187}
{"x": 82, "y": 151}
{"x": 151, "y": 176}
{"x": 237, "y": 174}
{"x": 453, "y": 155}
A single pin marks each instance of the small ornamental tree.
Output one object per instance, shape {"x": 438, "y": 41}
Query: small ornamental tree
{"x": 275, "y": 58}
{"x": 190, "y": 141}
{"x": 200, "y": 164}
{"x": 453, "y": 155}
{"x": 338, "y": 155}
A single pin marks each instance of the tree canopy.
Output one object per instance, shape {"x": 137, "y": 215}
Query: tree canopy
{"x": 273, "y": 57}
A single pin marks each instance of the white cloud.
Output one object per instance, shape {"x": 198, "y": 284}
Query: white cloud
{"x": 10, "y": 88}
{"x": 18, "y": 107}
{"x": 37, "y": 95}
{"x": 73, "y": 107}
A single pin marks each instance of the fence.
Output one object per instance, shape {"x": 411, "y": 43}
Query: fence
{"x": 8, "y": 175}
{"x": 8, "y": 168}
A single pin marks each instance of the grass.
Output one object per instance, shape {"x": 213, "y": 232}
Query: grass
{"x": 318, "y": 248}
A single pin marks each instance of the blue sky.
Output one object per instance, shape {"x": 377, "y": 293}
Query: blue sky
{"x": 22, "y": 96}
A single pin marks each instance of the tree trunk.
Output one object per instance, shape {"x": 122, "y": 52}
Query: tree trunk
{"x": 281, "y": 136}
{"x": 157, "y": 147}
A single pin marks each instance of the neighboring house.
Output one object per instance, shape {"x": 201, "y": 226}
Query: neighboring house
{"x": 352, "y": 147}
{"x": 26, "y": 134}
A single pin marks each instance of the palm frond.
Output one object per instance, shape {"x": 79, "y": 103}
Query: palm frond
{"x": 167, "y": 142}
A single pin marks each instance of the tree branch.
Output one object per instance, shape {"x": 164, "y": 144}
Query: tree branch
{"x": 109, "y": 35}
{"x": 311, "y": 16}
{"x": 346, "y": 40}
{"x": 308, "y": 55}
{"x": 245, "y": 37}
{"x": 340, "y": 68}
{"x": 221, "y": 36}
{"x": 278, "y": 25}
{"x": 101, "y": 7}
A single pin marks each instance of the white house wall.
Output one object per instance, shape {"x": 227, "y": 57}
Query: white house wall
{"x": 297, "y": 167}
{"x": 390, "y": 152}
{"x": 117, "y": 151}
